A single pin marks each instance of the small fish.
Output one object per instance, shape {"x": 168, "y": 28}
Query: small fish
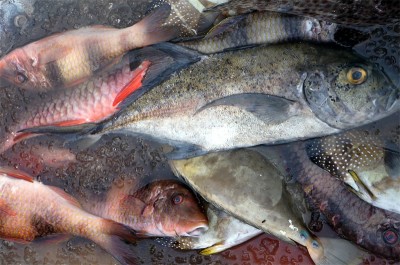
{"x": 361, "y": 160}
{"x": 262, "y": 28}
{"x": 160, "y": 208}
{"x": 374, "y": 229}
{"x": 224, "y": 232}
{"x": 103, "y": 96}
{"x": 70, "y": 58}
{"x": 345, "y": 12}
{"x": 30, "y": 210}
{"x": 264, "y": 95}
{"x": 246, "y": 185}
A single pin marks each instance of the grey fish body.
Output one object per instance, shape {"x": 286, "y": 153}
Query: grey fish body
{"x": 263, "y": 28}
{"x": 263, "y": 95}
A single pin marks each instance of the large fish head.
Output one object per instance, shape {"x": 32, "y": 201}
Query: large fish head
{"x": 20, "y": 69}
{"x": 177, "y": 211}
{"x": 346, "y": 95}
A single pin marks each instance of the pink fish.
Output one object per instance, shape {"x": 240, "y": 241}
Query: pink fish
{"x": 70, "y": 58}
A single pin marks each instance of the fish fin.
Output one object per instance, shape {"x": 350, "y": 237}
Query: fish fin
{"x": 181, "y": 150}
{"x": 118, "y": 240}
{"x": 11, "y": 172}
{"x": 165, "y": 58}
{"x": 216, "y": 248}
{"x": 134, "y": 84}
{"x": 22, "y": 136}
{"x": 66, "y": 196}
{"x": 65, "y": 127}
{"x": 6, "y": 209}
{"x": 339, "y": 252}
{"x": 270, "y": 109}
{"x": 153, "y": 26}
{"x": 225, "y": 25}
{"x": 359, "y": 182}
{"x": 148, "y": 210}
{"x": 53, "y": 239}
{"x": 243, "y": 47}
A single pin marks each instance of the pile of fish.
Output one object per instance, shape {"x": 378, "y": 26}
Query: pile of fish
{"x": 269, "y": 117}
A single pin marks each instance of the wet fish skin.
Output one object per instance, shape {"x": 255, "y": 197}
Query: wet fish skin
{"x": 236, "y": 99}
{"x": 30, "y": 210}
{"x": 344, "y": 12}
{"x": 254, "y": 192}
{"x": 70, "y": 58}
{"x": 262, "y": 28}
{"x": 224, "y": 232}
{"x": 372, "y": 228}
{"x": 360, "y": 153}
{"x": 153, "y": 210}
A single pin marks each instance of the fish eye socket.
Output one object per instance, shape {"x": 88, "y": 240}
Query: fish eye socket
{"x": 315, "y": 244}
{"x": 177, "y": 199}
{"x": 21, "y": 78}
{"x": 356, "y": 75}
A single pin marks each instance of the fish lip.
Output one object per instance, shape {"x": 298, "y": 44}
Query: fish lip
{"x": 197, "y": 231}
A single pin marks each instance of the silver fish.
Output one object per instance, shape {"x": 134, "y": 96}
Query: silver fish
{"x": 264, "y": 95}
{"x": 253, "y": 191}
{"x": 224, "y": 232}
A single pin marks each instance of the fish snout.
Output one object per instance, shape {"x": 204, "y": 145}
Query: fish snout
{"x": 197, "y": 231}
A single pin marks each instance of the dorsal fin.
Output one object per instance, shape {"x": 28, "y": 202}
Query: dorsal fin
{"x": 15, "y": 173}
{"x": 66, "y": 196}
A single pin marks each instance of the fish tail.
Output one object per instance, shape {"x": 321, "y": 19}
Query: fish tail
{"x": 118, "y": 240}
{"x": 338, "y": 251}
{"x": 151, "y": 29}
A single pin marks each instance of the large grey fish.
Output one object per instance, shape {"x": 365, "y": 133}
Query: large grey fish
{"x": 372, "y": 228}
{"x": 262, "y": 28}
{"x": 245, "y": 184}
{"x": 264, "y": 95}
{"x": 351, "y": 12}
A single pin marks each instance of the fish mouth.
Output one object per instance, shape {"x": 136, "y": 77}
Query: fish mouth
{"x": 197, "y": 231}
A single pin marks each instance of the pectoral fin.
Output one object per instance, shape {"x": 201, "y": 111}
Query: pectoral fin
{"x": 132, "y": 204}
{"x": 270, "y": 109}
{"x": 216, "y": 248}
{"x": 362, "y": 184}
{"x": 65, "y": 127}
{"x": 225, "y": 25}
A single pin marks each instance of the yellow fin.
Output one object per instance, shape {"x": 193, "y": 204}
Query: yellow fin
{"x": 216, "y": 248}
{"x": 357, "y": 179}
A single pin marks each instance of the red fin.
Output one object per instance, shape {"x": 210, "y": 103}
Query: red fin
{"x": 69, "y": 123}
{"x": 5, "y": 208}
{"x": 134, "y": 84}
{"x": 22, "y": 136}
{"x": 11, "y": 172}
{"x": 66, "y": 196}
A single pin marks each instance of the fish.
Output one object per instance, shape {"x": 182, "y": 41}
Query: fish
{"x": 30, "y": 210}
{"x": 69, "y": 58}
{"x": 102, "y": 97}
{"x": 162, "y": 208}
{"x": 372, "y": 228}
{"x": 224, "y": 232}
{"x": 262, "y": 28}
{"x": 245, "y": 184}
{"x": 362, "y": 161}
{"x": 353, "y": 13}
{"x": 263, "y": 95}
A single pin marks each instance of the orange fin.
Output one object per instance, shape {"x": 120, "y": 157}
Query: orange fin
{"x": 134, "y": 84}
{"x": 66, "y": 196}
{"x": 11, "y": 172}
{"x": 5, "y": 208}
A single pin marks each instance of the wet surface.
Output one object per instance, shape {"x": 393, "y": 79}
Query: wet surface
{"x": 83, "y": 171}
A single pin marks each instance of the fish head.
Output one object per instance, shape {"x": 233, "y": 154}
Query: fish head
{"x": 177, "y": 211}
{"x": 20, "y": 69}
{"x": 346, "y": 95}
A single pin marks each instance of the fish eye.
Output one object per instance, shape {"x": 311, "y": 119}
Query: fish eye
{"x": 356, "y": 75}
{"x": 303, "y": 235}
{"x": 315, "y": 244}
{"x": 177, "y": 199}
{"x": 21, "y": 78}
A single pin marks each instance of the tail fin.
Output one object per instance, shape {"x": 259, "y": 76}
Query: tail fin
{"x": 118, "y": 240}
{"x": 338, "y": 251}
{"x": 152, "y": 28}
